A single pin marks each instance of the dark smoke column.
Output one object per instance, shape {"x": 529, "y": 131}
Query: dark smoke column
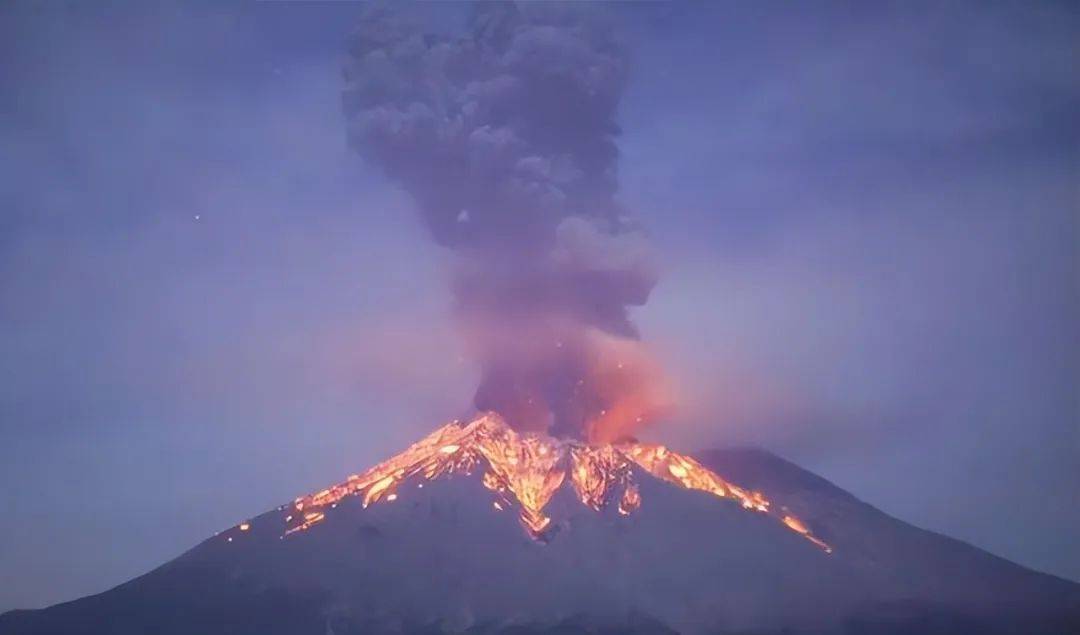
{"x": 505, "y": 138}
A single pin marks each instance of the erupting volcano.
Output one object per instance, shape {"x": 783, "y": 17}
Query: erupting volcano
{"x": 544, "y": 513}
{"x": 525, "y": 470}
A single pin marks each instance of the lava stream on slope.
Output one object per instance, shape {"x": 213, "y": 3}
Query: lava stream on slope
{"x": 524, "y": 470}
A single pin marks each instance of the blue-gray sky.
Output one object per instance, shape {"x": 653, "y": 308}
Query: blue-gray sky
{"x": 866, "y": 221}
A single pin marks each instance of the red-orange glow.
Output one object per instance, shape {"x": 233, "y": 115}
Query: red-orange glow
{"x": 797, "y": 525}
{"x": 553, "y": 373}
{"x": 630, "y": 501}
{"x": 524, "y": 470}
{"x": 629, "y": 383}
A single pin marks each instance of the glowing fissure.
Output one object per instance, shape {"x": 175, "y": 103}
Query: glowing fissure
{"x": 524, "y": 471}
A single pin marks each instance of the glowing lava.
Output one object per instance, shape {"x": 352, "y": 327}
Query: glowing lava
{"x": 524, "y": 470}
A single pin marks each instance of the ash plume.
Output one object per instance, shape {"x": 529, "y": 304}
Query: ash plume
{"x": 505, "y": 139}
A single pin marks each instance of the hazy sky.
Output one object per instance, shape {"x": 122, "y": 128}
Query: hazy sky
{"x": 867, "y": 222}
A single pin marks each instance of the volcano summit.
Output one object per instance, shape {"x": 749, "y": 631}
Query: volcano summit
{"x": 526, "y": 470}
{"x": 629, "y": 537}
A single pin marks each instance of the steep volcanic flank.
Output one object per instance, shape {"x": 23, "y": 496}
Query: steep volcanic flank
{"x": 525, "y": 470}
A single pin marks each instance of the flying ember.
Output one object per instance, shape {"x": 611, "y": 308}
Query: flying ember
{"x": 525, "y": 470}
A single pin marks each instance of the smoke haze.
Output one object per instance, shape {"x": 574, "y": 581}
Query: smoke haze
{"x": 505, "y": 139}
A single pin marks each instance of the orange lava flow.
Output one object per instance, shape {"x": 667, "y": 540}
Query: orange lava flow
{"x": 525, "y": 470}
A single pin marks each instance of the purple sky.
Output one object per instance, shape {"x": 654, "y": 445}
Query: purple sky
{"x": 866, "y": 222}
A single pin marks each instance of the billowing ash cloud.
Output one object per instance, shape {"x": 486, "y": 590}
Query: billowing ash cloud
{"x": 505, "y": 138}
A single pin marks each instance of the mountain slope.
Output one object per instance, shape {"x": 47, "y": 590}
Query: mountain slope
{"x": 442, "y": 558}
{"x": 910, "y": 567}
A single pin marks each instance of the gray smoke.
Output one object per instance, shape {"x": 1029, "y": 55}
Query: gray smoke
{"x": 505, "y": 139}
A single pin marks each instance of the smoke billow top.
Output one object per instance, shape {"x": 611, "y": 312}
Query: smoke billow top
{"x": 505, "y": 139}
